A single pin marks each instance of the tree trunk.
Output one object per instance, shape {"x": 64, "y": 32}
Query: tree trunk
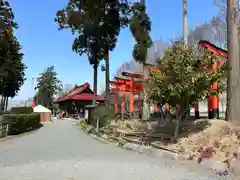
{"x": 95, "y": 76}
{"x": 107, "y": 101}
{"x": 177, "y": 125}
{"x": 181, "y": 115}
{"x": 4, "y": 102}
{"x": 226, "y": 110}
{"x": 1, "y": 102}
{"x": 146, "y": 106}
{"x": 233, "y": 79}
{"x": 6, "y": 107}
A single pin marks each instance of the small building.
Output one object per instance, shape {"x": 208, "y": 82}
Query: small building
{"x": 77, "y": 99}
{"x": 45, "y": 113}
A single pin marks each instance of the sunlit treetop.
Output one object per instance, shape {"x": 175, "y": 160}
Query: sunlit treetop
{"x": 140, "y": 26}
{"x": 95, "y": 24}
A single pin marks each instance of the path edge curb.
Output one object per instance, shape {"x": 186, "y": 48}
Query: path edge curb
{"x": 17, "y": 136}
{"x": 147, "y": 150}
{"x": 6, "y": 138}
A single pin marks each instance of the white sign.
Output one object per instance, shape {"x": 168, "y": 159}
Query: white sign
{"x": 86, "y": 114}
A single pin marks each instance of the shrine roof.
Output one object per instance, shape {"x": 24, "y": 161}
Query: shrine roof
{"x": 82, "y": 92}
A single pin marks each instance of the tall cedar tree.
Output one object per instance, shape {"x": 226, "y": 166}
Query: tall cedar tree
{"x": 140, "y": 26}
{"x": 96, "y": 25}
{"x": 184, "y": 78}
{"x": 11, "y": 66}
{"x": 47, "y": 86}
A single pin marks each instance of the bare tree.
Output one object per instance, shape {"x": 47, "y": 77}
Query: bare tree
{"x": 233, "y": 65}
{"x": 222, "y": 5}
{"x": 154, "y": 52}
{"x": 157, "y": 49}
{"x": 213, "y": 31}
{"x": 65, "y": 89}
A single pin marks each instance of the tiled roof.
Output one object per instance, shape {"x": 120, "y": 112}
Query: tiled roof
{"x": 78, "y": 94}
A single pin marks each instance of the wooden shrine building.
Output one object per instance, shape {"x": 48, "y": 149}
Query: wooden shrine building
{"x": 77, "y": 99}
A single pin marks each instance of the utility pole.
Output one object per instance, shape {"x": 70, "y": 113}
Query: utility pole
{"x": 33, "y": 83}
{"x": 233, "y": 80}
{"x": 185, "y": 33}
{"x": 185, "y": 29}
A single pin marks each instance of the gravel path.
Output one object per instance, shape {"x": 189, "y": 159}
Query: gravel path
{"x": 61, "y": 151}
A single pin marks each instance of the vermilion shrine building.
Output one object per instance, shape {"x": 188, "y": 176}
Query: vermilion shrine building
{"x": 78, "y": 97}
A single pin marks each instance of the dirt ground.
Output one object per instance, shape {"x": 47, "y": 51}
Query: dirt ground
{"x": 215, "y": 131}
{"x": 193, "y": 136}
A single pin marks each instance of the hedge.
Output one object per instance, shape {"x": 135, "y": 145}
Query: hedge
{"x": 4, "y": 112}
{"x": 20, "y": 123}
{"x": 21, "y": 110}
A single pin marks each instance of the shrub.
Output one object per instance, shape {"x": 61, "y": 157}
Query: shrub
{"x": 22, "y": 110}
{"x": 20, "y": 123}
{"x": 83, "y": 124}
{"x": 104, "y": 113}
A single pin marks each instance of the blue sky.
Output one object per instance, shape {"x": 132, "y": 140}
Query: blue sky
{"x": 43, "y": 45}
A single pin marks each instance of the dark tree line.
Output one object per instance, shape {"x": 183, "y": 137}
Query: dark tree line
{"x": 12, "y": 69}
{"x": 48, "y": 85}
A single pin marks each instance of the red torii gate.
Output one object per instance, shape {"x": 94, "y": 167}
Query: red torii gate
{"x": 213, "y": 102}
{"x": 125, "y": 85}
{"x": 119, "y": 87}
{"x": 131, "y": 85}
{"x": 213, "y": 48}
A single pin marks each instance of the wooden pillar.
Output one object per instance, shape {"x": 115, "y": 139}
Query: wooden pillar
{"x": 209, "y": 107}
{"x": 213, "y": 100}
{"x": 131, "y": 97}
{"x": 123, "y": 89}
{"x": 116, "y": 102}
